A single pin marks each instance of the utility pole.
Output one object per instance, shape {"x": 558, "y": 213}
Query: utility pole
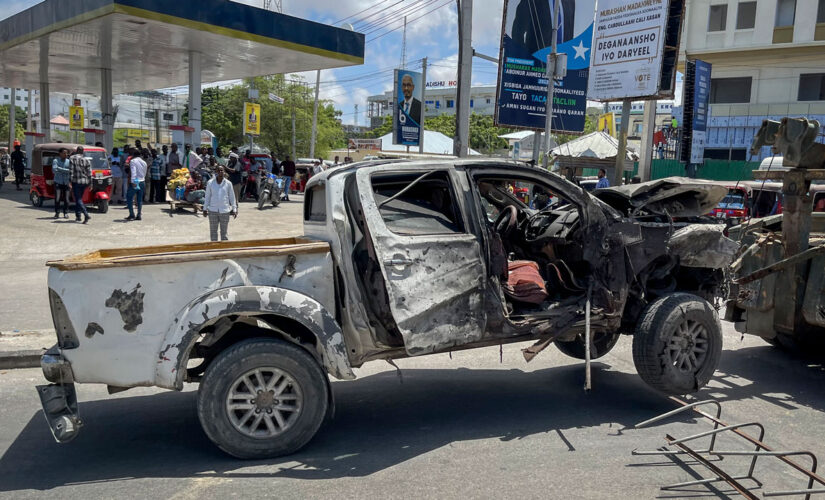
{"x": 622, "y": 152}
{"x": 12, "y": 112}
{"x": 423, "y": 103}
{"x": 293, "y": 130}
{"x": 465, "y": 74}
{"x": 30, "y": 112}
{"x": 648, "y": 124}
{"x": 404, "y": 45}
{"x": 315, "y": 115}
{"x": 551, "y": 84}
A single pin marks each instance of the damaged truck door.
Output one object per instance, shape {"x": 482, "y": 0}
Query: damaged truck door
{"x": 432, "y": 267}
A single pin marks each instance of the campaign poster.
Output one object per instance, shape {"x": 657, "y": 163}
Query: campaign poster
{"x": 75, "y": 118}
{"x": 627, "y": 49}
{"x": 251, "y": 118}
{"x": 409, "y": 110}
{"x": 607, "y": 124}
{"x": 526, "y": 38}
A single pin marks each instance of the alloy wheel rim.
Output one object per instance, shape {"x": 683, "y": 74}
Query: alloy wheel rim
{"x": 688, "y": 346}
{"x": 264, "y": 402}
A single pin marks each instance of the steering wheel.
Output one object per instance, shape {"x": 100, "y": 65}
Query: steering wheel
{"x": 506, "y": 221}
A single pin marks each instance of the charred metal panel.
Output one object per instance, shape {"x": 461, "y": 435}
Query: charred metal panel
{"x": 111, "y": 354}
{"x": 434, "y": 282}
{"x": 758, "y": 295}
{"x": 703, "y": 245}
{"x": 250, "y": 301}
{"x": 813, "y": 308}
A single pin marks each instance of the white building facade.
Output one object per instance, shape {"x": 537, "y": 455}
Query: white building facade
{"x": 437, "y": 101}
{"x": 768, "y": 60}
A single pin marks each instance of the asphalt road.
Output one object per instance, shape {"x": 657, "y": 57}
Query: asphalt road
{"x": 470, "y": 426}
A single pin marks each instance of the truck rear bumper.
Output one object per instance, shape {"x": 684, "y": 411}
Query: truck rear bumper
{"x": 59, "y": 399}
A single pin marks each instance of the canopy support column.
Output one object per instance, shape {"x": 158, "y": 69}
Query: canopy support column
{"x": 195, "y": 97}
{"x": 12, "y": 118}
{"x": 107, "y": 109}
{"x": 45, "y": 111}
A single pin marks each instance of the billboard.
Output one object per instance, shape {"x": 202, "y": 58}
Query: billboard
{"x": 526, "y": 36}
{"x": 695, "y": 109}
{"x": 408, "y": 95}
{"x": 75, "y": 118}
{"x": 635, "y": 47}
{"x": 607, "y": 124}
{"x": 370, "y": 144}
{"x": 251, "y": 118}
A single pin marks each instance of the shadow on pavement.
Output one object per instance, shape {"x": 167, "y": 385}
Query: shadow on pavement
{"x": 379, "y": 422}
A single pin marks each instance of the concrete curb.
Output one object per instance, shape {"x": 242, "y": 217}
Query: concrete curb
{"x": 10, "y": 360}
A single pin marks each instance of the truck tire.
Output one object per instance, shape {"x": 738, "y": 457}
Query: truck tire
{"x": 603, "y": 342}
{"x": 262, "y": 398}
{"x": 677, "y": 343}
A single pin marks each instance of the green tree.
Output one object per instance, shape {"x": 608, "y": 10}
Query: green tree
{"x": 19, "y": 125}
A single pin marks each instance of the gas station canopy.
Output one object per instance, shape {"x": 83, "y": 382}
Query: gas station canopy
{"x": 147, "y": 44}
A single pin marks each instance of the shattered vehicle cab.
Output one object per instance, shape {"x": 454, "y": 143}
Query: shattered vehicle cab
{"x": 398, "y": 259}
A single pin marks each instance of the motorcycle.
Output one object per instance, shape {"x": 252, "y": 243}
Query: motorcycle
{"x": 270, "y": 190}
{"x": 249, "y": 184}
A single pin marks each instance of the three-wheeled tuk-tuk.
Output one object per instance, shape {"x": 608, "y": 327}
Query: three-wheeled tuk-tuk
{"x": 42, "y": 176}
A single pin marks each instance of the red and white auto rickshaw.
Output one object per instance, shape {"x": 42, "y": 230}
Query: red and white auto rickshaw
{"x": 42, "y": 176}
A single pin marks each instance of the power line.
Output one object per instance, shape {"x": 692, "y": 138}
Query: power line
{"x": 409, "y": 21}
{"x": 396, "y": 16}
{"x": 361, "y": 12}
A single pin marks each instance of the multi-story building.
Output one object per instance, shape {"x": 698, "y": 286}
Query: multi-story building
{"x": 768, "y": 60}
{"x": 21, "y": 98}
{"x": 437, "y": 101}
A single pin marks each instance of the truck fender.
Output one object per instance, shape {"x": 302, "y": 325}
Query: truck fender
{"x": 250, "y": 300}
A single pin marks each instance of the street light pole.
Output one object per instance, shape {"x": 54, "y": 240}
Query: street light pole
{"x": 315, "y": 115}
{"x": 551, "y": 85}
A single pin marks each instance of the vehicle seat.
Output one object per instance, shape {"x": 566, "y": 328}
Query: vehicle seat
{"x": 524, "y": 282}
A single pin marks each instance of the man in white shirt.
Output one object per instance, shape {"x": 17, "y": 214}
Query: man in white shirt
{"x": 137, "y": 184}
{"x": 191, "y": 159}
{"x": 218, "y": 204}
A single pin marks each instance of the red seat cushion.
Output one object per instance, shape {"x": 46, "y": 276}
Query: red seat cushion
{"x": 524, "y": 283}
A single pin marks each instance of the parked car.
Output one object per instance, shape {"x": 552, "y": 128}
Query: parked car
{"x": 398, "y": 259}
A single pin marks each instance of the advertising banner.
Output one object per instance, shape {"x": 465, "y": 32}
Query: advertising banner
{"x": 526, "y": 37}
{"x": 251, "y": 118}
{"x": 75, "y": 118}
{"x": 628, "y": 46}
{"x": 370, "y": 144}
{"x": 137, "y": 133}
{"x": 701, "y": 99}
{"x": 607, "y": 124}
{"x": 409, "y": 109}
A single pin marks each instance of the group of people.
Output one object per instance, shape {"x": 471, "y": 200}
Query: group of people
{"x": 71, "y": 172}
{"x": 16, "y": 161}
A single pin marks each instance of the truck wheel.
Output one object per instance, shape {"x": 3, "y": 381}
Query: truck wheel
{"x": 603, "y": 342}
{"x": 262, "y": 398}
{"x": 677, "y": 343}
{"x": 103, "y": 206}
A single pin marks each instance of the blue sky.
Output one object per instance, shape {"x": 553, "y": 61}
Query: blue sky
{"x": 431, "y": 32}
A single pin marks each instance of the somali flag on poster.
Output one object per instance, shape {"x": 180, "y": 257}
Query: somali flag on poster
{"x": 525, "y": 44}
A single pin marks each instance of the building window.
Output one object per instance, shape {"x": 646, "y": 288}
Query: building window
{"x": 785, "y": 13}
{"x": 718, "y": 17}
{"x": 450, "y": 103}
{"x": 17, "y": 97}
{"x": 730, "y": 90}
{"x": 811, "y": 87}
{"x": 746, "y": 15}
{"x": 471, "y": 103}
{"x": 820, "y": 4}
{"x": 820, "y": 12}
{"x": 437, "y": 104}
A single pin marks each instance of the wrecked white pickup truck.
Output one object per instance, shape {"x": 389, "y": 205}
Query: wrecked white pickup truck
{"x": 399, "y": 259}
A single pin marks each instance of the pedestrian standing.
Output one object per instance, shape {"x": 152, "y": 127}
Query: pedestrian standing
{"x": 233, "y": 167}
{"x": 164, "y": 175}
{"x": 137, "y": 184}
{"x": 218, "y": 204}
{"x": 174, "y": 160}
{"x": 18, "y": 163}
{"x": 603, "y": 182}
{"x": 62, "y": 175}
{"x": 288, "y": 167}
{"x": 154, "y": 177}
{"x": 5, "y": 164}
{"x": 191, "y": 158}
{"x": 117, "y": 176}
{"x": 80, "y": 177}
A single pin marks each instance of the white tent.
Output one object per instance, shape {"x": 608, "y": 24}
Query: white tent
{"x": 435, "y": 143}
{"x": 596, "y": 145}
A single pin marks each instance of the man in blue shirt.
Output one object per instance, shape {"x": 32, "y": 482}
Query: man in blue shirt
{"x": 61, "y": 170}
{"x": 603, "y": 182}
